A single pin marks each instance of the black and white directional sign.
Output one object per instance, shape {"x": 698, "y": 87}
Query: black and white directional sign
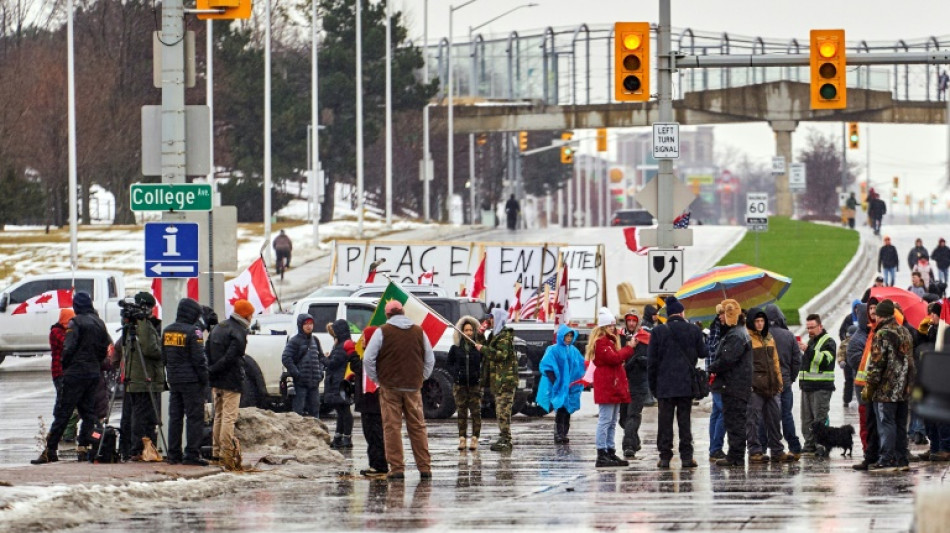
{"x": 171, "y": 249}
{"x": 796, "y": 177}
{"x": 757, "y": 211}
{"x": 665, "y": 270}
{"x": 666, "y": 140}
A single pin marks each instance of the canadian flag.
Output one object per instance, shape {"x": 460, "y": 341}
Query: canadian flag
{"x": 516, "y": 304}
{"x": 55, "y": 299}
{"x": 561, "y": 314}
{"x": 477, "y": 284}
{"x": 252, "y": 285}
{"x": 427, "y": 277}
{"x": 631, "y": 235}
{"x": 157, "y": 293}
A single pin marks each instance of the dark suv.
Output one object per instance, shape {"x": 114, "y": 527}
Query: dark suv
{"x": 631, "y": 217}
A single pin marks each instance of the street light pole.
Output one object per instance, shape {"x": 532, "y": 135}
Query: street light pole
{"x": 451, "y": 121}
{"x": 359, "y": 119}
{"x": 315, "y": 121}
{"x": 267, "y": 132}
{"x": 71, "y": 120}
{"x": 426, "y": 157}
{"x": 389, "y": 113}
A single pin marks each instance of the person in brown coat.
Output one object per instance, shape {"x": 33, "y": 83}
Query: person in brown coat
{"x": 764, "y": 403}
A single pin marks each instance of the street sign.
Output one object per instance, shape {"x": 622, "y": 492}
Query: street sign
{"x": 757, "y": 211}
{"x": 171, "y": 196}
{"x": 796, "y": 177}
{"x": 171, "y": 249}
{"x": 665, "y": 270}
{"x": 683, "y": 196}
{"x": 197, "y": 136}
{"x": 778, "y": 165}
{"x": 666, "y": 140}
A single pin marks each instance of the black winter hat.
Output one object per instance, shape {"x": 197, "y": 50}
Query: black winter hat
{"x": 82, "y": 302}
{"x": 885, "y": 309}
{"x": 649, "y": 312}
{"x": 144, "y": 298}
{"x": 673, "y": 306}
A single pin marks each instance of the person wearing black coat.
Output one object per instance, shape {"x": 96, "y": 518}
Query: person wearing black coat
{"x": 225, "y": 352}
{"x": 941, "y": 256}
{"x": 917, "y": 253}
{"x": 876, "y": 211}
{"x": 631, "y": 414}
{"x": 675, "y": 348}
{"x": 332, "y": 390}
{"x": 303, "y": 360}
{"x": 84, "y": 350}
{"x": 465, "y": 364}
{"x": 371, "y": 418}
{"x": 732, "y": 378}
{"x": 187, "y": 370}
{"x": 888, "y": 262}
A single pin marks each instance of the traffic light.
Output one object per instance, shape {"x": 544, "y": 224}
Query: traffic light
{"x": 828, "y": 72}
{"x": 853, "y": 136}
{"x": 522, "y": 140}
{"x": 632, "y": 61}
{"x": 233, "y": 9}
{"x": 897, "y": 182}
{"x": 567, "y": 151}
{"x": 602, "y": 139}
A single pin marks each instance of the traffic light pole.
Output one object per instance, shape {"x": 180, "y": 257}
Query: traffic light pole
{"x": 665, "y": 66}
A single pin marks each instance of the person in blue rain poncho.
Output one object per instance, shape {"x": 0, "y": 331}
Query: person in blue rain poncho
{"x": 561, "y": 368}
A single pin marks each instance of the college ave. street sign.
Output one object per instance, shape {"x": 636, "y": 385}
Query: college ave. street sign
{"x": 171, "y": 197}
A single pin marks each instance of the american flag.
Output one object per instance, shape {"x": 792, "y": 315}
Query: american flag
{"x": 682, "y": 221}
{"x": 531, "y": 307}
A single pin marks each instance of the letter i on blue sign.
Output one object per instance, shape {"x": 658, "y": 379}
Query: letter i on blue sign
{"x": 171, "y": 241}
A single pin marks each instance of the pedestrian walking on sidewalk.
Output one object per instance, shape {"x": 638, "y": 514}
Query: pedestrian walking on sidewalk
{"x": 888, "y": 262}
{"x": 732, "y": 379}
{"x": 610, "y": 383}
{"x": 559, "y": 389}
{"x": 675, "y": 348}
{"x": 465, "y": 364}
{"x": 399, "y": 358}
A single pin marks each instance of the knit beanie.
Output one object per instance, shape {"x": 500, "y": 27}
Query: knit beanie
{"x": 244, "y": 308}
{"x": 730, "y": 312}
{"x": 673, "y": 306}
{"x": 349, "y": 346}
{"x": 605, "y": 318}
{"x": 885, "y": 309}
{"x": 82, "y": 302}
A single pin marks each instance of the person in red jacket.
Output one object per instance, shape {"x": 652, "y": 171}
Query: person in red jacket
{"x": 610, "y": 383}
{"x": 57, "y": 336}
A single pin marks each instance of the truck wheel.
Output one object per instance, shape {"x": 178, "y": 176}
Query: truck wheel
{"x": 437, "y": 398}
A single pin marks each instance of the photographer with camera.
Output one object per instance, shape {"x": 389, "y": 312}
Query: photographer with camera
{"x": 143, "y": 374}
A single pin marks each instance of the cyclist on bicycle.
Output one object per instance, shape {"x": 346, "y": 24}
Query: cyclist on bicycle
{"x": 283, "y": 247}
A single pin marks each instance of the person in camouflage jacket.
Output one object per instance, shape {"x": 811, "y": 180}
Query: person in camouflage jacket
{"x": 890, "y": 375}
{"x": 500, "y": 372}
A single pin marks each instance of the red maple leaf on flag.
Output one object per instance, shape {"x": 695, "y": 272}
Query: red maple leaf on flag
{"x": 44, "y": 298}
{"x": 240, "y": 293}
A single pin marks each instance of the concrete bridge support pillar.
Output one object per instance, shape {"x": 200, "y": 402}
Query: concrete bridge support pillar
{"x": 783, "y": 147}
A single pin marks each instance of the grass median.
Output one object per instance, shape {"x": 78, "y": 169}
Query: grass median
{"x": 813, "y": 255}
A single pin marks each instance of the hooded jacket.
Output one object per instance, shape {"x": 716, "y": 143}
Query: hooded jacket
{"x": 849, "y": 320}
{"x": 891, "y": 366}
{"x": 57, "y": 336}
{"x": 732, "y": 365}
{"x": 610, "y": 378}
{"x": 941, "y": 256}
{"x": 303, "y": 357}
{"x": 859, "y": 337}
{"x": 336, "y": 363}
{"x": 789, "y": 352}
{"x": 225, "y": 349}
{"x": 500, "y": 364}
{"x": 766, "y": 369}
{"x": 404, "y": 361}
{"x": 566, "y": 364}
{"x": 87, "y": 340}
{"x": 465, "y": 362}
{"x": 183, "y": 350}
{"x": 365, "y": 402}
{"x": 675, "y": 347}
{"x": 915, "y": 254}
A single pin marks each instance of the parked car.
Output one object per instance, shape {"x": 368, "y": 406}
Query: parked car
{"x": 632, "y": 217}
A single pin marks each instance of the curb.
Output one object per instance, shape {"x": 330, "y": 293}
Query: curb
{"x": 852, "y": 280}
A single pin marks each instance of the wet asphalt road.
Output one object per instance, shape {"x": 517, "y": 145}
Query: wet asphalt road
{"x": 537, "y": 486}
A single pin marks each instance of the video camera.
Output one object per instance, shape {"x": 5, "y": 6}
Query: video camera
{"x": 133, "y": 311}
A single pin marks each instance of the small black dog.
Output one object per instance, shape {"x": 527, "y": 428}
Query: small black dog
{"x": 832, "y": 437}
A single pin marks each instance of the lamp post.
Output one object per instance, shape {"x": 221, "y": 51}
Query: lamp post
{"x": 451, "y": 132}
{"x": 267, "y": 130}
{"x": 426, "y": 156}
{"x": 359, "y": 119}
{"x": 71, "y": 121}
{"x": 389, "y": 113}
{"x": 314, "y": 121}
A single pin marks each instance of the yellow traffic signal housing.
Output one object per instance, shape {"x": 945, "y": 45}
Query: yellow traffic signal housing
{"x": 522, "y": 140}
{"x": 828, "y": 73}
{"x": 567, "y": 151}
{"x": 632, "y": 61}
{"x": 233, "y": 9}
{"x": 853, "y": 136}
{"x": 602, "y": 139}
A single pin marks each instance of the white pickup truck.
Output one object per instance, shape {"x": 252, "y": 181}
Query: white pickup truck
{"x": 28, "y": 333}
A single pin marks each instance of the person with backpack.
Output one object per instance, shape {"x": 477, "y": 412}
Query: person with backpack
{"x": 303, "y": 360}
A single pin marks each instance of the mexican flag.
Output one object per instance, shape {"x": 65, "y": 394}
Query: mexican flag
{"x": 432, "y": 324}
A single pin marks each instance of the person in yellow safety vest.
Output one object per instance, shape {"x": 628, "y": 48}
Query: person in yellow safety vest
{"x": 816, "y": 380}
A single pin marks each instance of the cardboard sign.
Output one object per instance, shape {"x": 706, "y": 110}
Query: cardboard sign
{"x": 585, "y": 268}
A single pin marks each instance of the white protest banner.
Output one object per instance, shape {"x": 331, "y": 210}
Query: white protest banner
{"x": 452, "y": 262}
{"x": 585, "y": 270}
{"x": 507, "y": 264}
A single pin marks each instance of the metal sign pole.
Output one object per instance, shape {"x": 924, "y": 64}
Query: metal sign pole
{"x": 664, "y": 214}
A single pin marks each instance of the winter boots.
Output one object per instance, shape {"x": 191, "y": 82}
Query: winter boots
{"x": 347, "y": 442}
{"x": 473, "y": 443}
{"x": 561, "y": 427}
{"x": 463, "y": 443}
{"x": 341, "y": 442}
{"x": 501, "y": 445}
{"x": 48, "y": 456}
{"x": 612, "y": 453}
{"x": 604, "y": 460}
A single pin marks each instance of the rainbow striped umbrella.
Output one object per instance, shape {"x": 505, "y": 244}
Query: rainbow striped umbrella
{"x": 748, "y": 285}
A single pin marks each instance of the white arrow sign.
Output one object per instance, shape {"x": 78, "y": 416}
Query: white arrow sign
{"x": 160, "y": 269}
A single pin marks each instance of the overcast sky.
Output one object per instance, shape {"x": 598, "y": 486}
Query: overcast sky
{"x": 916, "y": 153}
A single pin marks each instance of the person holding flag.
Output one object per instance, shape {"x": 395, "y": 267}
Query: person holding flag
{"x": 500, "y": 371}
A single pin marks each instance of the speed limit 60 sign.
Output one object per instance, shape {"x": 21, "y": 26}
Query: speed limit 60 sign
{"x": 757, "y": 211}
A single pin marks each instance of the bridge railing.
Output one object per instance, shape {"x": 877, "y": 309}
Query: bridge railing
{"x": 574, "y": 65}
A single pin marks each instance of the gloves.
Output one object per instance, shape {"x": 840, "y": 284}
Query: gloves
{"x": 842, "y": 364}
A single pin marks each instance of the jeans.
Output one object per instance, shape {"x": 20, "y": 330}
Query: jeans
{"x": 889, "y": 275}
{"x": 942, "y": 274}
{"x": 916, "y": 425}
{"x": 668, "y": 408}
{"x": 764, "y": 412}
{"x": 939, "y": 435}
{"x": 717, "y": 426}
{"x": 890, "y": 417}
{"x": 607, "y": 425}
{"x": 307, "y": 400}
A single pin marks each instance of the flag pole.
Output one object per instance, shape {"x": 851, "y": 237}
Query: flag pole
{"x": 269, "y": 280}
{"x": 431, "y": 310}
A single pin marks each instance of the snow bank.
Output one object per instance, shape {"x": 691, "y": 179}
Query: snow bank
{"x": 269, "y": 433}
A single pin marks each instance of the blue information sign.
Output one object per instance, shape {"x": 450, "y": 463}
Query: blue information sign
{"x": 171, "y": 249}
